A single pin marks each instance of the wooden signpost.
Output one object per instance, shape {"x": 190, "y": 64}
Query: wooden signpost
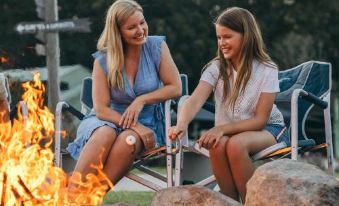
{"x": 47, "y": 9}
{"x": 77, "y": 25}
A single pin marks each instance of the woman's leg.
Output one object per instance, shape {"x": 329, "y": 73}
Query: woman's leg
{"x": 221, "y": 169}
{"x": 121, "y": 156}
{"x": 239, "y": 149}
{"x": 96, "y": 150}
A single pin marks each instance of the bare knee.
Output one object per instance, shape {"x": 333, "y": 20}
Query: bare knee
{"x": 96, "y": 149}
{"x": 219, "y": 149}
{"x": 129, "y": 142}
{"x": 236, "y": 147}
{"x": 104, "y": 135}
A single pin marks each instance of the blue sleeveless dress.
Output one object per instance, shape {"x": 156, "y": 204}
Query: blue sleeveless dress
{"x": 147, "y": 80}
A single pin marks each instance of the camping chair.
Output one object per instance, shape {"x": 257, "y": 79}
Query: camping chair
{"x": 301, "y": 88}
{"x": 168, "y": 150}
{"x": 4, "y": 91}
{"x": 21, "y": 104}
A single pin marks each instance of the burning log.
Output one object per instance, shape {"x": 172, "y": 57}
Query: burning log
{"x": 28, "y": 174}
{"x": 27, "y": 191}
{"x": 3, "y": 194}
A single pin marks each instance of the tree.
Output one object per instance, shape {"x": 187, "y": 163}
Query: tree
{"x": 294, "y": 31}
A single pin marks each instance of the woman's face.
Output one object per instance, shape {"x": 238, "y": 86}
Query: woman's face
{"x": 229, "y": 43}
{"x": 135, "y": 30}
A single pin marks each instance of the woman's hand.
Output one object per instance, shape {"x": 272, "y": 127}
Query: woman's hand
{"x": 211, "y": 138}
{"x": 177, "y": 131}
{"x": 130, "y": 116}
{"x": 146, "y": 134}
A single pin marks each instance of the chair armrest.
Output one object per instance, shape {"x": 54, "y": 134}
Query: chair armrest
{"x": 294, "y": 115}
{"x": 73, "y": 111}
{"x": 184, "y": 140}
{"x": 58, "y": 127}
{"x": 313, "y": 99}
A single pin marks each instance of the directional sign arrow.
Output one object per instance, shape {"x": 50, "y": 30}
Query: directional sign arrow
{"x": 77, "y": 25}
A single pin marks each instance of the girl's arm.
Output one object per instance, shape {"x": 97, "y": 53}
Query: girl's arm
{"x": 258, "y": 121}
{"x": 190, "y": 108}
{"x": 101, "y": 96}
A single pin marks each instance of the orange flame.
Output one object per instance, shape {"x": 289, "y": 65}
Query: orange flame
{"x": 4, "y": 60}
{"x": 27, "y": 173}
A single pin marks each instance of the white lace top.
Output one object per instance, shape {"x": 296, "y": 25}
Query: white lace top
{"x": 263, "y": 79}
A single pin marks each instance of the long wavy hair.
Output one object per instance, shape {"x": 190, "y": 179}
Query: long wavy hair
{"x": 111, "y": 41}
{"x": 242, "y": 21}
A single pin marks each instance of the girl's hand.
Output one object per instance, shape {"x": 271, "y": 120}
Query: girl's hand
{"x": 177, "y": 131}
{"x": 130, "y": 116}
{"x": 211, "y": 138}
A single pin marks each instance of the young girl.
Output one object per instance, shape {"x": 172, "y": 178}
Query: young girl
{"x": 245, "y": 82}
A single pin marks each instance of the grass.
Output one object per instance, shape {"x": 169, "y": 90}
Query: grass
{"x": 140, "y": 198}
{"x": 161, "y": 170}
{"x": 135, "y": 198}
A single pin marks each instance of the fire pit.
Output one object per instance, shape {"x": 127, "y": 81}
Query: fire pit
{"x": 27, "y": 173}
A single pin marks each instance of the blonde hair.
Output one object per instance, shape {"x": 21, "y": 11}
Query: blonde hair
{"x": 111, "y": 40}
{"x": 253, "y": 47}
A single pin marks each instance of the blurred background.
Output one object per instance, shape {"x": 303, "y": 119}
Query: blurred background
{"x": 294, "y": 31}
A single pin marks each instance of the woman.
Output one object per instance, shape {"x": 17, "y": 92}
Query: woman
{"x": 132, "y": 74}
{"x": 245, "y": 82}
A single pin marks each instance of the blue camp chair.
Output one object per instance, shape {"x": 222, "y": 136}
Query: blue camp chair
{"x": 301, "y": 88}
{"x": 168, "y": 150}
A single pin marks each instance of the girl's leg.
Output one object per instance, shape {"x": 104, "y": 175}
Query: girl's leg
{"x": 239, "y": 149}
{"x": 121, "y": 156}
{"x": 96, "y": 150}
{"x": 221, "y": 169}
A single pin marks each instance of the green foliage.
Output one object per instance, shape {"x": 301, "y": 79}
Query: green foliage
{"x": 293, "y": 33}
{"x": 19, "y": 48}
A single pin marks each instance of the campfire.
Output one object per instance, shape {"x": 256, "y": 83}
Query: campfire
{"x": 27, "y": 173}
{"x": 5, "y": 60}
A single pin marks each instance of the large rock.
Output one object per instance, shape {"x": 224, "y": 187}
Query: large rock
{"x": 191, "y": 195}
{"x": 287, "y": 182}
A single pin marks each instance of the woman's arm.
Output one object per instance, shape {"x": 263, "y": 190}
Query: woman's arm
{"x": 101, "y": 96}
{"x": 170, "y": 77}
{"x": 190, "y": 108}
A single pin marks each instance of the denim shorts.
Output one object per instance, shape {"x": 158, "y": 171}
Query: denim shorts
{"x": 279, "y": 132}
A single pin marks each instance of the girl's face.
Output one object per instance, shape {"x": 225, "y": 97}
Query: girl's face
{"x": 229, "y": 43}
{"x": 135, "y": 30}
